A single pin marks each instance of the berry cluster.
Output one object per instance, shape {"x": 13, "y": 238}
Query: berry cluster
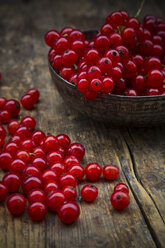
{"x": 124, "y": 57}
{"x": 8, "y": 109}
{"x": 45, "y": 169}
{"x": 30, "y": 98}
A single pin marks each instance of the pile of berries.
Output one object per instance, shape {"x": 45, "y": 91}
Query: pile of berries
{"x": 11, "y": 108}
{"x": 46, "y": 169}
{"x": 125, "y": 57}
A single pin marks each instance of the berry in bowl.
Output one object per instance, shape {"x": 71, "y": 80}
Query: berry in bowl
{"x": 115, "y": 74}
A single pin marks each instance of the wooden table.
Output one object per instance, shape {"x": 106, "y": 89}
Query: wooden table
{"x": 140, "y": 153}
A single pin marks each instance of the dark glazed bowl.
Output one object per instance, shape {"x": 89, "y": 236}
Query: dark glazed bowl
{"x": 117, "y": 110}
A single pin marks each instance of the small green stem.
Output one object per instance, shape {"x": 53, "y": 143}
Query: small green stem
{"x": 140, "y": 8}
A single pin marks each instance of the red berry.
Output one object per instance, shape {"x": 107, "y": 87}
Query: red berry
{"x": 67, "y": 180}
{"x": 29, "y": 122}
{"x": 53, "y": 157}
{"x": 69, "y": 212}
{"x": 92, "y": 56}
{"x": 23, "y": 154}
{"x": 66, "y": 72}
{"x": 37, "y": 136}
{"x": 48, "y": 175}
{"x": 110, "y": 172}
{"x": 96, "y": 85}
{"x": 77, "y": 171}
{"x": 13, "y": 107}
{"x": 17, "y": 166}
{"x": 78, "y": 46}
{"x": 89, "y": 192}
{"x": 115, "y": 19}
{"x": 63, "y": 140}
{"x": 59, "y": 168}
{"x": 50, "y": 143}
{"x": 3, "y": 132}
{"x": 51, "y": 36}
{"x": 115, "y": 40}
{"x": 3, "y": 191}
{"x": 23, "y": 132}
{"x": 139, "y": 83}
{"x": 155, "y": 78}
{"x": 40, "y": 163}
{"x": 93, "y": 172}
{"x": 5, "y": 160}
{"x": 11, "y": 147}
{"x": 77, "y": 150}
{"x": 50, "y": 187}
{"x": 113, "y": 55}
{"x": 130, "y": 92}
{"x": 31, "y": 182}
{"x": 102, "y": 43}
{"x": 61, "y": 45}
{"x": 34, "y": 93}
{"x": 66, "y": 31}
{"x": 70, "y": 193}
{"x": 94, "y": 72}
{"x": 36, "y": 195}
{"x": 16, "y": 204}
{"x": 76, "y": 35}
{"x": 108, "y": 85}
{"x": 12, "y": 126}
{"x": 83, "y": 85}
{"x": 71, "y": 160}
{"x": 106, "y": 29}
{"x": 55, "y": 199}
{"x": 121, "y": 187}
{"x": 27, "y": 101}
{"x": 119, "y": 200}
{"x": 12, "y": 181}
{"x": 3, "y": 101}
{"x": 30, "y": 170}
{"x": 69, "y": 58}
{"x": 37, "y": 211}
{"x": 5, "y": 116}
{"x": 152, "y": 92}
{"x": 105, "y": 65}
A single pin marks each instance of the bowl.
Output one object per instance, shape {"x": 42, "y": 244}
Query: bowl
{"x": 118, "y": 110}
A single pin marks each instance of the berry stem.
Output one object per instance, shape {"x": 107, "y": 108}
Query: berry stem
{"x": 140, "y": 8}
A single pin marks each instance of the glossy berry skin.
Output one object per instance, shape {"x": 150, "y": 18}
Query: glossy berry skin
{"x": 110, "y": 172}
{"x": 50, "y": 37}
{"x": 13, "y": 107}
{"x": 58, "y": 167}
{"x": 66, "y": 72}
{"x": 5, "y": 160}
{"x": 40, "y": 163}
{"x": 23, "y": 132}
{"x": 105, "y": 64}
{"x": 71, "y": 160}
{"x": 69, "y": 212}
{"x": 29, "y": 122}
{"x": 155, "y": 79}
{"x": 67, "y": 180}
{"x": 37, "y": 136}
{"x": 89, "y": 192}
{"x": 16, "y": 204}
{"x": 23, "y": 154}
{"x": 38, "y": 151}
{"x": 53, "y": 157}
{"x": 93, "y": 172}
{"x": 55, "y": 199}
{"x": 94, "y": 72}
{"x": 3, "y": 101}
{"x": 76, "y": 35}
{"x": 27, "y": 101}
{"x": 50, "y": 187}
{"x": 113, "y": 55}
{"x": 11, "y": 147}
{"x": 12, "y": 181}
{"x": 96, "y": 85}
{"x": 63, "y": 140}
{"x": 69, "y": 192}
{"x": 90, "y": 95}
{"x": 34, "y": 93}
{"x": 61, "y": 45}
{"x": 30, "y": 170}
{"x": 130, "y": 92}
{"x": 3, "y": 132}
{"x": 36, "y": 195}
{"x": 121, "y": 187}
{"x": 69, "y": 58}
{"x": 92, "y": 56}
{"x": 12, "y": 126}
{"x": 48, "y": 175}
{"x": 102, "y": 43}
{"x": 107, "y": 85}
{"x": 3, "y": 191}
{"x": 119, "y": 200}
{"x": 5, "y": 116}
{"x": 77, "y": 171}
{"x": 37, "y": 211}
{"x": 27, "y": 144}
{"x": 31, "y": 182}
{"x": 77, "y": 150}
{"x": 17, "y": 166}
{"x": 50, "y": 143}
{"x": 83, "y": 85}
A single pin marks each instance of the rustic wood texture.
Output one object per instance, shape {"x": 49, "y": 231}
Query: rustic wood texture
{"x": 140, "y": 153}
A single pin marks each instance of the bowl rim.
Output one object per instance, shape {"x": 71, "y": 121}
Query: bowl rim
{"x": 158, "y": 97}
{"x": 102, "y": 94}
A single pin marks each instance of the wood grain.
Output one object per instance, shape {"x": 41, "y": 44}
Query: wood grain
{"x": 138, "y": 152}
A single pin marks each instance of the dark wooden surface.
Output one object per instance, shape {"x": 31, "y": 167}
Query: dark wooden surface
{"x": 140, "y": 153}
